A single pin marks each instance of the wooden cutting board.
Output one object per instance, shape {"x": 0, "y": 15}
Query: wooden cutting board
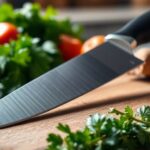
{"x": 31, "y": 135}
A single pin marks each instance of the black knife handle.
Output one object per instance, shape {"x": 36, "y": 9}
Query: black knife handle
{"x": 136, "y": 27}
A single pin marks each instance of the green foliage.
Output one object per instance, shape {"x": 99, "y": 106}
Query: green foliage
{"x": 6, "y": 12}
{"x": 23, "y": 60}
{"x": 36, "y": 49}
{"x": 144, "y": 112}
{"x": 128, "y": 131}
{"x": 44, "y": 25}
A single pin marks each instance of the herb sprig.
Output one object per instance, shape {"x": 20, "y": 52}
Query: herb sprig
{"x": 117, "y": 130}
{"x": 23, "y": 60}
{"x": 31, "y": 20}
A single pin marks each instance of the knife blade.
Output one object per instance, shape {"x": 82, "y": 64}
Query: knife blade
{"x": 66, "y": 82}
{"x": 71, "y": 79}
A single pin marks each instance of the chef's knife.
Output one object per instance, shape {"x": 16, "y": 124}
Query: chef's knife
{"x": 73, "y": 78}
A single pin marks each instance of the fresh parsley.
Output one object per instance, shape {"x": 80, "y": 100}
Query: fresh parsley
{"x": 23, "y": 60}
{"x": 31, "y": 20}
{"x": 127, "y": 131}
{"x": 36, "y": 50}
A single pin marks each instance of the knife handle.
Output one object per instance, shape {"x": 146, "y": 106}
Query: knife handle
{"x": 136, "y": 27}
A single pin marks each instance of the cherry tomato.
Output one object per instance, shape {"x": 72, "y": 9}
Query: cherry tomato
{"x": 92, "y": 43}
{"x": 69, "y": 46}
{"x": 7, "y": 32}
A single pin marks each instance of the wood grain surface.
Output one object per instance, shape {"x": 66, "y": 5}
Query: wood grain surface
{"x": 31, "y": 135}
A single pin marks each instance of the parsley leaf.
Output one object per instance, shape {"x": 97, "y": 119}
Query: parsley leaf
{"x": 105, "y": 132}
{"x": 144, "y": 112}
{"x": 23, "y": 60}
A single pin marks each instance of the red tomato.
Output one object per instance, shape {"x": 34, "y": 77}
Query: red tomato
{"x": 69, "y": 46}
{"x": 92, "y": 43}
{"x": 7, "y": 32}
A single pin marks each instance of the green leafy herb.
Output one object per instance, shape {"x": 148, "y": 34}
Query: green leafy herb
{"x": 44, "y": 25}
{"x": 144, "y": 112}
{"x": 36, "y": 49}
{"x": 23, "y": 60}
{"x": 128, "y": 131}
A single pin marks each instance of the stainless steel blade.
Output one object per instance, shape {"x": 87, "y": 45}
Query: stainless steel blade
{"x": 66, "y": 82}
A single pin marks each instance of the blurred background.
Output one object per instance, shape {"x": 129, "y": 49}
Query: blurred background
{"x": 83, "y": 3}
{"x": 97, "y": 16}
